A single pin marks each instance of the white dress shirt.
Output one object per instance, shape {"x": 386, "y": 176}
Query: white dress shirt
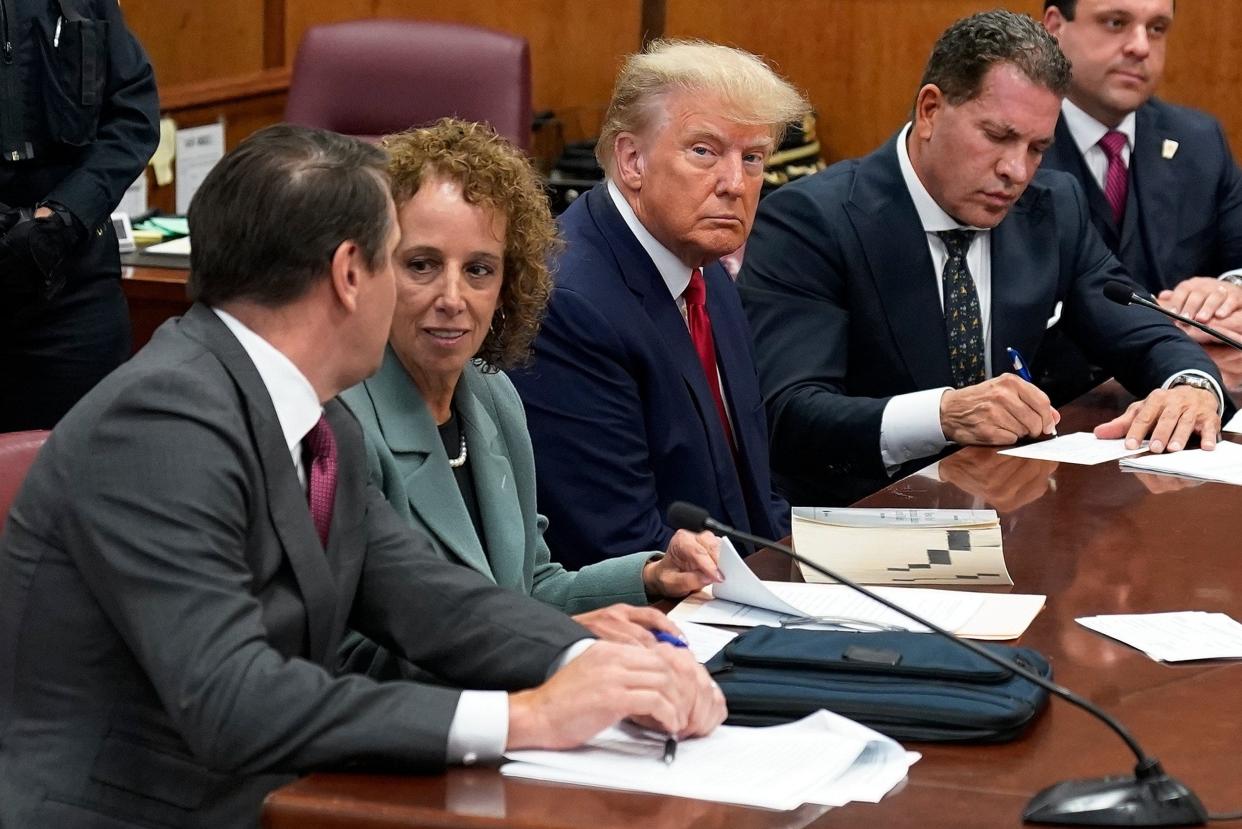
{"x": 480, "y": 727}
{"x": 910, "y": 426}
{"x": 1087, "y": 132}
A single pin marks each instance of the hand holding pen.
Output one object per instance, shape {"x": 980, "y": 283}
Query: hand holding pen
{"x": 1020, "y": 369}
{"x": 997, "y": 412}
{"x": 670, "y": 742}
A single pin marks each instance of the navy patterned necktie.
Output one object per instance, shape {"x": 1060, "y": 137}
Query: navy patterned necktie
{"x": 962, "y": 319}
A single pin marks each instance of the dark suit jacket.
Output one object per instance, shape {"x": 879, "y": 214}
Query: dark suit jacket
{"x": 622, "y": 418}
{"x": 841, "y": 292}
{"x": 1183, "y": 216}
{"x": 168, "y": 615}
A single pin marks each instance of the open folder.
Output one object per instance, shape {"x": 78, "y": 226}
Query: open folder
{"x": 744, "y": 600}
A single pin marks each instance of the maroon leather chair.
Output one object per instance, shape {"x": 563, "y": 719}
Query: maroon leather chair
{"x": 369, "y": 78}
{"x": 17, "y": 453}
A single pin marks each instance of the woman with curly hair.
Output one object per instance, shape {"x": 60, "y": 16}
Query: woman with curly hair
{"x": 446, "y": 432}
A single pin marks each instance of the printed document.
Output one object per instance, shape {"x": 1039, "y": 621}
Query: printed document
{"x": 1173, "y": 637}
{"x": 1223, "y": 464}
{"x": 1079, "y": 447}
{"x": 778, "y": 767}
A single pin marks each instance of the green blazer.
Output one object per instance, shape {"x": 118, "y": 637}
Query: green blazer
{"x": 406, "y": 459}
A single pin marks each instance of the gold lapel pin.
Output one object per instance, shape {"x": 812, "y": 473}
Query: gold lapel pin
{"x": 1169, "y": 148}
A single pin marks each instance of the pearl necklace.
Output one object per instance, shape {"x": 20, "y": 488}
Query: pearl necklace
{"x": 460, "y": 460}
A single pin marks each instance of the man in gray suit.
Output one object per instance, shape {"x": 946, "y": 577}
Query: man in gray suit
{"x": 170, "y": 604}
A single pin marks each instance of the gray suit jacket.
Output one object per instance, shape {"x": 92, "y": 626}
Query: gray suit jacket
{"x": 407, "y": 461}
{"x": 167, "y": 613}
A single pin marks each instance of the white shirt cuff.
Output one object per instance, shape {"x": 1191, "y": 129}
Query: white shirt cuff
{"x": 910, "y": 428}
{"x": 480, "y": 727}
{"x": 1235, "y": 272}
{"x": 1220, "y": 397}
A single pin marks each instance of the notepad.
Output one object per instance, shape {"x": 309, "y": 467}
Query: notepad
{"x": 823, "y": 758}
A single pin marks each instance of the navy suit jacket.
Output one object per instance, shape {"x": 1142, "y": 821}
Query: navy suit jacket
{"x": 1183, "y": 217}
{"x": 841, "y": 292}
{"x": 622, "y": 418}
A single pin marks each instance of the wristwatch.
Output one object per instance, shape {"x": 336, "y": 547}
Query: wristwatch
{"x": 1232, "y": 279}
{"x": 1196, "y": 381}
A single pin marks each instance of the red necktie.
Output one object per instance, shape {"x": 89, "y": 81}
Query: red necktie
{"x": 701, "y": 335}
{"x": 1116, "y": 181}
{"x": 319, "y": 446}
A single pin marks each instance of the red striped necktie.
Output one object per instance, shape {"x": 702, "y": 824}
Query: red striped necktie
{"x": 1116, "y": 180}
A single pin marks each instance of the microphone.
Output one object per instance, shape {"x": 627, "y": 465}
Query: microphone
{"x": 1148, "y": 798}
{"x": 1121, "y": 293}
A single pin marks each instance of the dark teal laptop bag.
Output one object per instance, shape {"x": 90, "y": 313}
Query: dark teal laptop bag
{"x": 910, "y": 686}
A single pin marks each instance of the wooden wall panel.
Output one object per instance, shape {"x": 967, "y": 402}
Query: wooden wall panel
{"x": 860, "y": 60}
{"x": 190, "y": 41}
{"x": 576, "y": 45}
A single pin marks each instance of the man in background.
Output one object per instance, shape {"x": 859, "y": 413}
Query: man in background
{"x": 642, "y": 389}
{"x": 1162, "y": 185}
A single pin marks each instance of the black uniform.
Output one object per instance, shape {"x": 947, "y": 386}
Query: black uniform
{"x": 78, "y": 121}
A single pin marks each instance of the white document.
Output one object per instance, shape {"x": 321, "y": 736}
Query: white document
{"x": 1173, "y": 637}
{"x": 1079, "y": 447}
{"x": 779, "y": 767}
{"x": 1235, "y": 424}
{"x": 1223, "y": 464}
{"x": 744, "y": 600}
{"x": 134, "y": 201}
{"x": 198, "y": 150}
{"x": 704, "y": 641}
{"x": 173, "y": 247}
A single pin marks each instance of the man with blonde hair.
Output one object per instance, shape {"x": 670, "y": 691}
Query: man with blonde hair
{"x": 642, "y": 390}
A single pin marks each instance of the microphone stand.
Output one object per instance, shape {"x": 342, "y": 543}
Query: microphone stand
{"x": 1149, "y": 798}
{"x": 1121, "y": 294}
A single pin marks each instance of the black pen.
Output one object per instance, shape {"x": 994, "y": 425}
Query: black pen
{"x": 670, "y": 742}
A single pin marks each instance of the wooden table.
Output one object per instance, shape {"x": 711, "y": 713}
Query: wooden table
{"x": 1094, "y": 539}
{"x": 153, "y": 295}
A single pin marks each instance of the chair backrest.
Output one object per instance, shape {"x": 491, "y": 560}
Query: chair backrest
{"x": 17, "y": 453}
{"x": 369, "y": 78}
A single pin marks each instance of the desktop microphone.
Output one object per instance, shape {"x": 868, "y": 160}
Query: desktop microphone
{"x": 1122, "y": 294}
{"x": 1149, "y": 798}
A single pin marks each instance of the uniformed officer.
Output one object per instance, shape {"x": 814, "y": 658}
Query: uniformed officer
{"x": 78, "y": 121}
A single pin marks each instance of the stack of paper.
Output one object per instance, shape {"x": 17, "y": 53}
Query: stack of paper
{"x": 902, "y": 546}
{"x": 744, "y": 600}
{"x": 823, "y": 759}
{"x": 1223, "y": 464}
{"x": 1173, "y": 637}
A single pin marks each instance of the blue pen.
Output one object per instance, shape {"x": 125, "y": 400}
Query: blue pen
{"x": 670, "y": 742}
{"x": 1020, "y": 369}
{"x": 1019, "y": 365}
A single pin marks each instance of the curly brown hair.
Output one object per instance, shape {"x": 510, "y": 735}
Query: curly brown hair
{"x": 494, "y": 173}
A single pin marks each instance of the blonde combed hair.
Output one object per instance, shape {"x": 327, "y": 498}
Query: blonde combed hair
{"x": 750, "y": 91}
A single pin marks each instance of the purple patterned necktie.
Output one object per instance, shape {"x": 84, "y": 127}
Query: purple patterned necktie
{"x": 1116, "y": 180}
{"x": 319, "y": 447}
